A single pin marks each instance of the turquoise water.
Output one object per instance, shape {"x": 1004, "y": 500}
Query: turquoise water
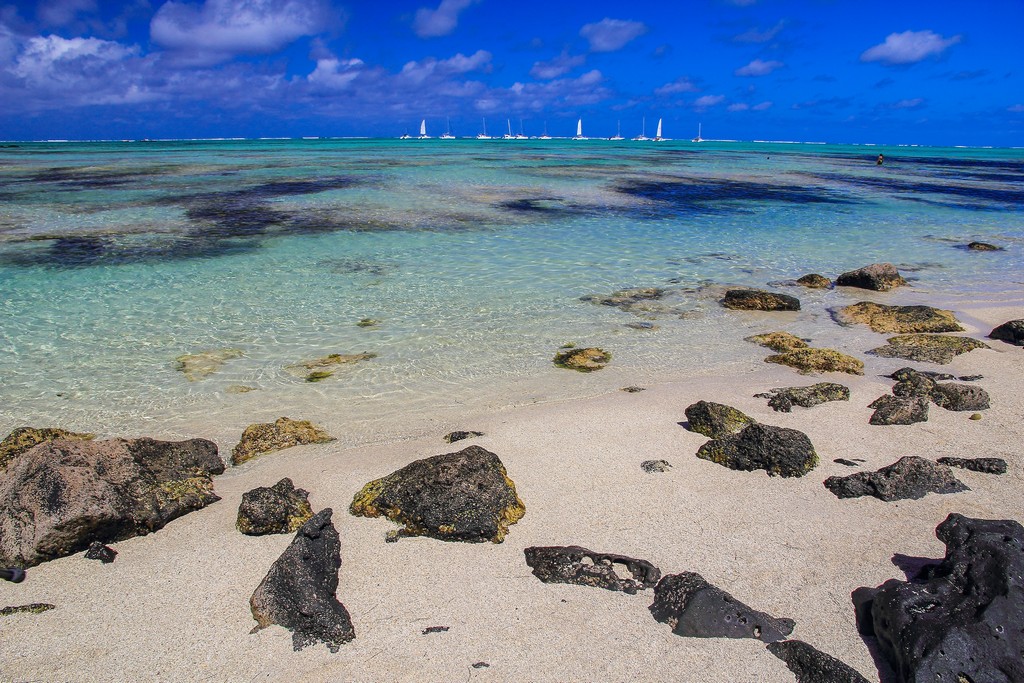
{"x": 116, "y": 258}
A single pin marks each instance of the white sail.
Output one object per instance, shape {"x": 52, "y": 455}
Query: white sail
{"x": 579, "y": 128}
{"x": 508, "y": 135}
{"x": 423, "y": 127}
{"x": 698, "y": 138}
{"x": 657, "y": 136}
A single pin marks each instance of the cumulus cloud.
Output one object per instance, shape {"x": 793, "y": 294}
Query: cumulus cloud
{"x": 755, "y": 36}
{"x": 915, "y": 103}
{"x": 431, "y": 23}
{"x": 759, "y": 68}
{"x": 681, "y": 84}
{"x": 708, "y": 101}
{"x": 762, "y": 106}
{"x": 46, "y": 58}
{"x": 609, "y": 35}
{"x": 584, "y": 90}
{"x": 559, "y": 66}
{"x": 218, "y": 30}
{"x": 739, "y": 106}
{"x": 332, "y": 73}
{"x": 908, "y": 47}
{"x": 417, "y": 72}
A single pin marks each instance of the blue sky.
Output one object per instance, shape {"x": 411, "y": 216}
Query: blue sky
{"x": 894, "y": 71}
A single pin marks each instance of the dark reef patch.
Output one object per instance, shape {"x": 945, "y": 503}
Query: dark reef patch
{"x": 703, "y": 195}
{"x": 1012, "y": 198}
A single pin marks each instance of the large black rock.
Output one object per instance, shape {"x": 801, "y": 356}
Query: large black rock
{"x": 777, "y": 450}
{"x": 573, "y": 564}
{"x": 1011, "y": 332}
{"x": 986, "y": 465}
{"x": 759, "y": 300}
{"x": 880, "y": 277}
{"x": 813, "y": 666}
{"x": 715, "y": 420}
{"x": 961, "y": 620}
{"x": 899, "y": 410}
{"x": 955, "y": 396}
{"x": 909, "y": 477}
{"x": 693, "y": 607}
{"x": 299, "y": 590}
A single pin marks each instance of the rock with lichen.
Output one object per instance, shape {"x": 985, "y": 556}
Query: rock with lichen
{"x": 582, "y": 360}
{"x": 901, "y": 319}
{"x": 783, "y": 400}
{"x": 715, "y": 420}
{"x": 910, "y": 477}
{"x": 930, "y": 348}
{"x": 810, "y": 361}
{"x": 320, "y": 369}
{"x": 759, "y": 300}
{"x": 814, "y": 281}
{"x": 268, "y": 437}
{"x": 777, "y": 450}
{"x": 780, "y": 342}
{"x": 24, "y": 438}
{"x": 959, "y": 397}
{"x": 463, "y": 496}
{"x": 277, "y": 509}
{"x": 983, "y": 246}
{"x": 583, "y": 567}
{"x": 197, "y": 366}
{"x": 880, "y": 277}
{"x": 60, "y": 496}
{"x": 899, "y": 410}
{"x": 1011, "y": 332}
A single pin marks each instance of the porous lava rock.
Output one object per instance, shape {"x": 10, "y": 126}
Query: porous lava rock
{"x": 814, "y": 281}
{"x": 462, "y": 496}
{"x": 910, "y": 477}
{"x": 1011, "y": 332}
{"x": 24, "y": 438}
{"x": 986, "y": 465}
{"x": 759, "y": 300}
{"x": 880, "y": 277}
{"x": 299, "y": 591}
{"x": 811, "y": 361}
{"x": 583, "y": 567}
{"x": 812, "y": 665}
{"x": 959, "y": 397}
{"x": 930, "y": 348}
{"x": 777, "y": 450}
{"x": 582, "y": 360}
{"x": 268, "y": 437}
{"x": 899, "y": 410}
{"x": 715, "y": 420}
{"x": 958, "y": 620}
{"x": 277, "y": 509}
{"x": 697, "y": 609}
{"x": 60, "y": 496}
{"x": 783, "y": 399}
{"x": 900, "y": 319}
{"x": 780, "y": 342}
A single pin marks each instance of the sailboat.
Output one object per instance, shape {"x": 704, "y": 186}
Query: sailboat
{"x": 698, "y": 138}
{"x": 423, "y": 131}
{"x": 448, "y": 131}
{"x": 618, "y": 132}
{"x": 404, "y": 136}
{"x": 520, "y": 135}
{"x": 508, "y": 135}
{"x": 545, "y": 136}
{"x": 643, "y": 131}
{"x": 484, "y": 135}
{"x": 657, "y": 136}
{"x": 579, "y": 131}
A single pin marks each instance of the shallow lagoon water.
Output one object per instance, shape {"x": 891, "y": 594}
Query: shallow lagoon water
{"x": 116, "y": 258}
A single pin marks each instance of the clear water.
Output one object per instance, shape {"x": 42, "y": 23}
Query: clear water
{"x": 116, "y": 258}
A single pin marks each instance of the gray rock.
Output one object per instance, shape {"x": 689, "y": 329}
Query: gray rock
{"x": 777, "y": 450}
{"x": 695, "y": 608}
{"x": 959, "y": 620}
{"x": 298, "y": 592}
{"x": 576, "y": 565}
{"x": 277, "y": 509}
{"x": 783, "y": 400}
{"x": 914, "y": 384}
{"x": 759, "y": 300}
{"x": 60, "y": 496}
{"x": 908, "y": 373}
{"x": 879, "y": 277}
{"x": 813, "y": 666}
{"x": 715, "y": 420}
{"x": 929, "y": 348}
{"x": 909, "y": 477}
{"x": 1011, "y": 332}
{"x": 655, "y": 466}
{"x": 986, "y": 465}
{"x": 899, "y": 410}
{"x": 953, "y": 396}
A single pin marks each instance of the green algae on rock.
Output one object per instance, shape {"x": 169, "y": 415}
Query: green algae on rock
{"x": 715, "y": 420}
{"x": 24, "y": 438}
{"x": 778, "y": 341}
{"x": 814, "y": 281}
{"x": 930, "y": 348}
{"x": 462, "y": 496}
{"x": 239, "y": 389}
{"x": 582, "y": 360}
{"x": 759, "y": 300}
{"x": 880, "y": 277}
{"x": 368, "y": 322}
{"x": 197, "y": 366}
{"x": 903, "y": 319}
{"x": 277, "y": 509}
{"x": 33, "y": 608}
{"x": 258, "y": 439}
{"x": 322, "y": 368}
{"x": 809, "y": 361}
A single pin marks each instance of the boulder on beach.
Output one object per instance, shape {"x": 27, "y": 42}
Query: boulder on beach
{"x": 777, "y": 450}
{"x": 782, "y": 400}
{"x": 899, "y": 410}
{"x": 930, "y": 348}
{"x": 880, "y": 277}
{"x": 582, "y": 360}
{"x": 695, "y": 608}
{"x": 299, "y": 591}
{"x": 959, "y": 619}
{"x": 959, "y": 397}
{"x": 197, "y": 366}
{"x": 24, "y": 438}
{"x": 983, "y": 246}
{"x": 910, "y": 477}
{"x": 814, "y": 281}
{"x": 320, "y": 369}
{"x": 277, "y": 509}
{"x": 583, "y": 567}
{"x": 984, "y": 465}
{"x": 268, "y": 437}
{"x": 813, "y": 361}
{"x": 780, "y": 342}
{"x": 463, "y": 496}
{"x": 1011, "y": 332}
{"x": 901, "y": 319}
{"x": 813, "y": 666}
{"x": 60, "y": 496}
{"x": 759, "y": 300}
{"x": 715, "y": 420}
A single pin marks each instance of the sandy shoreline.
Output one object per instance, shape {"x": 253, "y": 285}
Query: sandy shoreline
{"x": 174, "y": 605}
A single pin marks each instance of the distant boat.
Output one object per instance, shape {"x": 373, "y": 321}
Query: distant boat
{"x": 657, "y": 136}
{"x": 484, "y": 135}
{"x": 423, "y": 131}
{"x": 404, "y": 136}
{"x": 508, "y": 135}
{"x": 448, "y": 131}
{"x": 698, "y": 138}
{"x": 520, "y": 135}
{"x": 643, "y": 131}
{"x": 545, "y": 136}
{"x": 579, "y": 131}
{"x": 618, "y": 132}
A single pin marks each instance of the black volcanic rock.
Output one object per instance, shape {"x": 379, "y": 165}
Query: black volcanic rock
{"x": 813, "y": 666}
{"x": 1011, "y": 332}
{"x": 954, "y": 396}
{"x": 783, "y": 400}
{"x": 759, "y": 300}
{"x": 986, "y": 465}
{"x": 777, "y": 450}
{"x": 909, "y": 477}
{"x": 715, "y": 420}
{"x": 576, "y": 565}
{"x": 880, "y": 277}
{"x": 899, "y": 410}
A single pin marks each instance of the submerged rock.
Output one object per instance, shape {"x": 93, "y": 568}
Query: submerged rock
{"x": 777, "y": 450}
{"x": 983, "y": 246}
{"x": 24, "y": 438}
{"x": 60, "y": 496}
{"x": 268, "y": 437}
{"x": 783, "y": 400}
{"x": 814, "y": 281}
{"x": 986, "y": 465}
{"x": 953, "y": 396}
{"x": 899, "y": 410}
{"x": 655, "y": 466}
{"x": 880, "y": 277}
{"x": 881, "y": 318}
{"x": 909, "y": 477}
{"x": 98, "y": 551}
{"x": 930, "y": 348}
{"x": 582, "y": 360}
{"x": 809, "y": 361}
{"x": 321, "y": 368}
{"x": 1011, "y": 332}
{"x": 463, "y": 496}
{"x": 197, "y": 366}
{"x": 960, "y": 620}
{"x": 636, "y": 300}
{"x": 715, "y": 420}
{"x": 277, "y": 509}
{"x": 780, "y": 342}
{"x": 298, "y": 592}
{"x": 452, "y": 437}
{"x": 759, "y": 300}
{"x": 813, "y": 666}
{"x": 576, "y": 565}
{"x": 695, "y": 608}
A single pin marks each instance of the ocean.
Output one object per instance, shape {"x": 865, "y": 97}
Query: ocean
{"x": 469, "y": 264}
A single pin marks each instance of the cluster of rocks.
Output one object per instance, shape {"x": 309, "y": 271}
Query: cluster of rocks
{"x": 199, "y": 366}
{"x": 913, "y": 391}
{"x": 796, "y": 353}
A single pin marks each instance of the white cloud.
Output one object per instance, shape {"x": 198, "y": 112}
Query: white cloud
{"x": 336, "y": 74}
{"x": 759, "y": 68}
{"x": 708, "y": 101}
{"x": 217, "y": 30}
{"x": 609, "y": 35}
{"x": 739, "y": 106}
{"x": 48, "y": 58}
{"x": 915, "y": 103}
{"x": 559, "y": 66}
{"x": 431, "y": 23}
{"x": 584, "y": 90}
{"x": 908, "y": 47}
{"x": 762, "y": 106}
{"x": 1016, "y": 109}
{"x": 755, "y": 36}
{"x": 63, "y": 12}
{"x": 417, "y": 72}
{"x": 681, "y": 84}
